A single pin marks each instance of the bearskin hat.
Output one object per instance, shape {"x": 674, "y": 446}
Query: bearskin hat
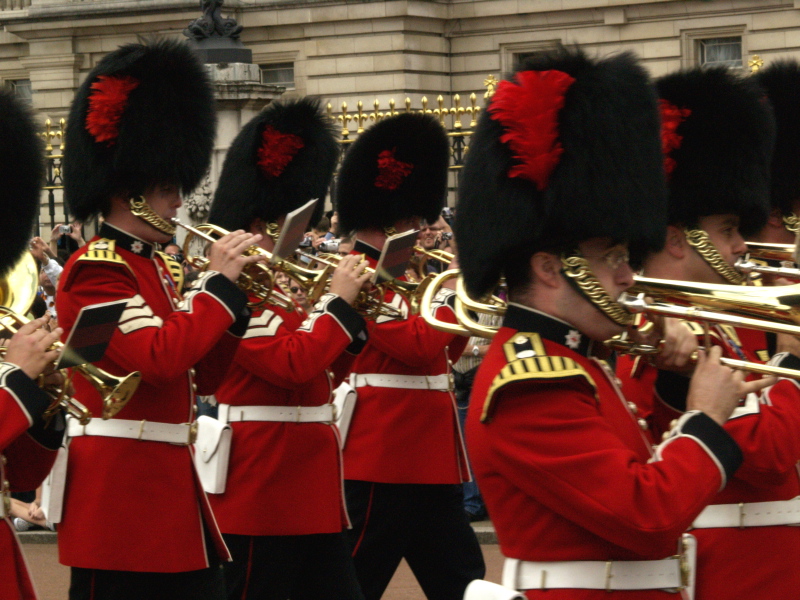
{"x": 144, "y": 116}
{"x": 718, "y": 159}
{"x": 781, "y": 81}
{"x": 22, "y": 174}
{"x": 396, "y": 169}
{"x": 281, "y": 159}
{"x": 568, "y": 149}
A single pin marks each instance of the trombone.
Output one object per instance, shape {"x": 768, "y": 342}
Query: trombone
{"x": 781, "y": 253}
{"x": 442, "y": 256}
{"x": 775, "y": 309}
{"x": 17, "y": 291}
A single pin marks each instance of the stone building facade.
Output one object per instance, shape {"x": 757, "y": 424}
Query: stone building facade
{"x": 346, "y": 51}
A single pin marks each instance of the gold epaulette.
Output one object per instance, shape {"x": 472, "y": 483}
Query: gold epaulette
{"x": 175, "y": 269}
{"x": 530, "y": 365}
{"x": 103, "y": 250}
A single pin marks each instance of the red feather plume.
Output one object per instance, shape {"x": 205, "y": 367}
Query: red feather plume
{"x": 277, "y": 150}
{"x": 106, "y": 104}
{"x": 391, "y": 172}
{"x": 528, "y": 110}
{"x": 671, "y": 118}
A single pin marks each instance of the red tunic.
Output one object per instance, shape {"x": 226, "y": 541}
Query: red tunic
{"x": 406, "y": 435}
{"x": 751, "y": 562}
{"x": 291, "y": 472}
{"x": 135, "y": 505}
{"x": 26, "y": 456}
{"x": 562, "y": 463}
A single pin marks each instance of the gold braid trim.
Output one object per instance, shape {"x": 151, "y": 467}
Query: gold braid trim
{"x": 792, "y": 222}
{"x": 698, "y": 239}
{"x": 273, "y": 230}
{"x": 577, "y": 269}
{"x": 141, "y": 209}
{"x": 390, "y": 231}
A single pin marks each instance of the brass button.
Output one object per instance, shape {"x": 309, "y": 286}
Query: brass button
{"x": 665, "y": 435}
{"x": 673, "y": 424}
{"x": 3, "y": 459}
{"x": 6, "y": 485}
{"x": 642, "y": 424}
{"x": 194, "y": 387}
{"x": 194, "y": 408}
{"x": 633, "y": 407}
{"x": 192, "y": 372}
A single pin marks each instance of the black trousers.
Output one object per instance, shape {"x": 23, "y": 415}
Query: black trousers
{"x": 425, "y": 524}
{"x": 99, "y": 584}
{"x": 295, "y": 567}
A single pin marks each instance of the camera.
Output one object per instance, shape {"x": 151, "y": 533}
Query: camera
{"x": 65, "y": 228}
{"x": 446, "y": 235}
{"x": 447, "y": 215}
{"x": 306, "y": 243}
{"x": 329, "y": 246}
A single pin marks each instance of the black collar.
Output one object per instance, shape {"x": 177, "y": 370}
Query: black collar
{"x": 523, "y": 318}
{"x": 126, "y": 241}
{"x": 364, "y": 248}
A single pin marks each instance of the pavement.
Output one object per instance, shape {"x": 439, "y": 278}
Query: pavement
{"x": 52, "y": 579}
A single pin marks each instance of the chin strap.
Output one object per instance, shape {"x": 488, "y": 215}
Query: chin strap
{"x": 792, "y": 222}
{"x": 141, "y": 209}
{"x": 578, "y": 272}
{"x": 273, "y": 230}
{"x": 699, "y": 240}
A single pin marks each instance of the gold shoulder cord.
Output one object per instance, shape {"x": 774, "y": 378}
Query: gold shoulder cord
{"x": 698, "y": 239}
{"x": 141, "y": 209}
{"x": 577, "y": 270}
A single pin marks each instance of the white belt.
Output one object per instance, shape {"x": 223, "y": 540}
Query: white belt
{"x": 183, "y": 434}
{"x": 442, "y": 383}
{"x": 750, "y": 514}
{"x": 325, "y": 413}
{"x": 595, "y": 574}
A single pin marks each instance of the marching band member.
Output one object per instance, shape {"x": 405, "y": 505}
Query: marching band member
{"x": 719, "y": 186}
{"x": 141, "y": 132}
{"x": 27, "y": 446}
{"x": 404, "y": 458}
{"x": 781, "y": 80}
{"x": 564, "y": 177}
{"x": 282, "y": 512}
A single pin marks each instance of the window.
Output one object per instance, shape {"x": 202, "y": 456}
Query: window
{"x": 726, "y": 51}
{"x": 278, "y": 74}
{"x": 21, "y": 88}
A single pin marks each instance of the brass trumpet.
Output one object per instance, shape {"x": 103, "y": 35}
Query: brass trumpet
{"x": 442, "y": 256}
{"x": 257, "y": 279}
{"x": 17, "y": 291}
{"x": 370, "y": 303}
{"x": 781, "y": 253}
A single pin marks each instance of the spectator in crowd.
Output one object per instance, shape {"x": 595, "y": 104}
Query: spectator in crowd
{"x": 67, "y": 240}
{"x": 46, "y": 257}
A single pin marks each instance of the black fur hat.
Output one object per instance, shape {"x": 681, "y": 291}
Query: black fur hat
{"x": 281, "y": 159}
{"x": 144, "y": 116}
{"x": 593, "y": 167}
{"x": 726, "y": 137}
{"x": 396, "y": 169}
{"x": 781, "y": 80}
{"x": 21, "y": 174}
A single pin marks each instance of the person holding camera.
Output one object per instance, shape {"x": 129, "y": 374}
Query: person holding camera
{"x": 67, "y": 238}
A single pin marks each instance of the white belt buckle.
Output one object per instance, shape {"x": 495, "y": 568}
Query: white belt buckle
{"x": 141, "y": 429}
{"x": 741, "y": 515}
{"x": 609, "y": 575}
